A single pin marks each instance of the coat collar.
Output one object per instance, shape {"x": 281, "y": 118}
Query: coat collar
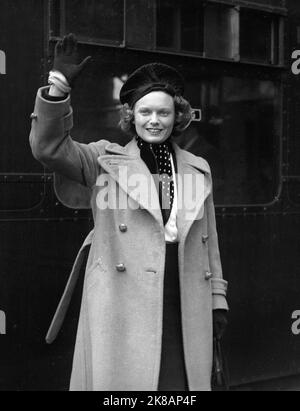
{"x": 129, "y": 157}
{"x": 131, "y": 150}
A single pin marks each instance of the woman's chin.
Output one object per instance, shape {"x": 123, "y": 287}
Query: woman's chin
{"x": 154, "y": 139}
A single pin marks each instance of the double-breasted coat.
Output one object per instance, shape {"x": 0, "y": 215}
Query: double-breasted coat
{"x": 118, "y": 345}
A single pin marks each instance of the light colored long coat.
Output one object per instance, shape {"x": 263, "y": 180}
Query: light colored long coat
{"x": 118, "y": 344}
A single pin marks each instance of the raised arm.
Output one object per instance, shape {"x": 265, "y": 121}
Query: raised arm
{"x": 52, "y": 121}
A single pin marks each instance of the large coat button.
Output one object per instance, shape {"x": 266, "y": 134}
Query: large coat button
{"x": 123, "y": 228}
{"x": 204, "y": 239}
{"x": 208, "y": 275}
{"x": 121, "y": 268}
{"x": 33, "y": 116}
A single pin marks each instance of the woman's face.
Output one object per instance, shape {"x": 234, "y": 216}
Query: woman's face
{"x": 154, "y": 117}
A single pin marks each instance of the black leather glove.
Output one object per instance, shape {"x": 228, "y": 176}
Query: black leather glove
{"x": 219, "y": 323}
{"x": 66, "y": 58}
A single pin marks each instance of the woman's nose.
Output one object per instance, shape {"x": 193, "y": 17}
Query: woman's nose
{"x": 154, "y": 119}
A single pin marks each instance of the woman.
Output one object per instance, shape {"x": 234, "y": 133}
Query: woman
{"x": 153, "y": 276}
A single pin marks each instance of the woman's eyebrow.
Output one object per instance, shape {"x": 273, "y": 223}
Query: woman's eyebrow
{"x": 156, "y": 108}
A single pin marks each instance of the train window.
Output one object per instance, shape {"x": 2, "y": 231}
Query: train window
{"x": 192, "y": 27}
{"x": 259, "y": 36}
{"x": 140, "y": 21}
{"x": 91, "y": 20}
{"x": 167, "y": 28}
{"x": 218, "y": 30}
{"x": 221, "y": 31}
{"x": 206, "y": 28}
{"x": 179, "y": 25}
{"x": 238, "y": 136}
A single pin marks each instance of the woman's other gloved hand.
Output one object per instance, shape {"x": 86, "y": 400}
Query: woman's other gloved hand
{"x": 219, "y": 323}
{"x": 66, "y": 59}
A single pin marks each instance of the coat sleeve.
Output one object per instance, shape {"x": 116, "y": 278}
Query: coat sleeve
{"x": 219, "y": 285}
{"x": 52, "y": 145}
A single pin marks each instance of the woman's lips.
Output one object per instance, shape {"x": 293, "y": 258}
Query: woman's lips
{"x": 154, "y": 130}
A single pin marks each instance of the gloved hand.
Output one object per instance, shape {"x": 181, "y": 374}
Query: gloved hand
{"x": 66, "y": 58}
{"x": 219, "y": 323}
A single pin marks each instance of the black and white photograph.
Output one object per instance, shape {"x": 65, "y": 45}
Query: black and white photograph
{"x": 149, "y": 198}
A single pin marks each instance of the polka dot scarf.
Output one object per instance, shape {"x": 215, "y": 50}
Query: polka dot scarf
{"x": 157, "y": 156}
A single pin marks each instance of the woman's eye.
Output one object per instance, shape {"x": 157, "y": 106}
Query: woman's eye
{"x": 145, "y": 112}
{"x": 164, "y": 113}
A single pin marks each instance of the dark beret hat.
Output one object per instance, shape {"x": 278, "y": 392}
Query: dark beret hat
{"x": 151, "y": 77}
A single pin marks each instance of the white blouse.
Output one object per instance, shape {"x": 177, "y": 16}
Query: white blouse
{"x": 171, "y": 231}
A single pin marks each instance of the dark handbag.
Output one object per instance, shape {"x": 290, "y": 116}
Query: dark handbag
{"x": 219, "y": 377}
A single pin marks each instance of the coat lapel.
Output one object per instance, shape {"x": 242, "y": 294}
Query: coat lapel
{"x": 193, "y": 185}
{"x": 125, "y": 166}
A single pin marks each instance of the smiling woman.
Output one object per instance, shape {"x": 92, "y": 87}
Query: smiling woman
{"x": 147, "y": 319}
{"x": 154, "y": 117}
{"x": 183, "y": 117}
